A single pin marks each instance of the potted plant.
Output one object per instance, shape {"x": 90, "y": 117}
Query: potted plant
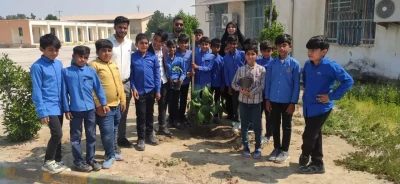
{"x": 177, "y": 83}
{"x": 246, "y": 82}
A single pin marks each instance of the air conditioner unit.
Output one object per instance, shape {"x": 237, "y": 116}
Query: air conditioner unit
{"x": 387, "y": 11}
{"x": 226, "y": 18}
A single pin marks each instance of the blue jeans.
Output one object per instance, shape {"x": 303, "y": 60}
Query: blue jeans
{"x": 250, "y": 113}
{"x": 108, "y": 125}
{"x": 89, "y": 120}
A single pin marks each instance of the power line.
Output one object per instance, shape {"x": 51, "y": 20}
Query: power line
{"x": 59, "y": 14}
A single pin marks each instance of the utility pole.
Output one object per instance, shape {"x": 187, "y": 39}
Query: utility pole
{"x": 138, "y": 8}
{"x": 59, "y": 14}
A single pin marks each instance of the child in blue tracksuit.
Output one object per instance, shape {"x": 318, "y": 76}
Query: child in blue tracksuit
{"x": 319, "y": 76}
{"x": 186, "y": 55}
{"x": 78, "y": 102}
{"x": 217, "y": 72}
{"x": 267, "y": 49}
{"x": 233, "y": 60}
{"x": 282, "y": 91}
{"x": 204, "y": 62}
{"x": 145, "y": 83}
{"x": 46, "y": 74}
{"x": 177, "y": 73}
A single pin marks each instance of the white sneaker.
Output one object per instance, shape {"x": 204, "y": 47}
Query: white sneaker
{"x": 265, "y": 140}
{"x": 52, "y": 167}
{"x": 65, "y": 167}
{"x": 236, "y": 127}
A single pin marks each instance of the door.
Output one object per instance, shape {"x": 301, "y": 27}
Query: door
{"x": 89, "y": 33}
{"x": 67, "y": 36}
{"x": 53, "y": 31}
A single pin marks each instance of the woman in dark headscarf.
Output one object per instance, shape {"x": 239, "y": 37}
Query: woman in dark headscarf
{"x": 232, "y": 29}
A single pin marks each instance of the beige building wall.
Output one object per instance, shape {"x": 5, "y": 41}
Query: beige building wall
{"x": 200, "y": 12}
{"x": 9, "y": 32}
{"x": 238, "y": 8}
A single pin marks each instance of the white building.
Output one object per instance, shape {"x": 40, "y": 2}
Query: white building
{"x": 356, "y": 40}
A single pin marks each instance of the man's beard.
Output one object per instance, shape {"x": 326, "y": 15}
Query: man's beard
{"x": 178, "y": 30}
{"x": 121, "y": 35}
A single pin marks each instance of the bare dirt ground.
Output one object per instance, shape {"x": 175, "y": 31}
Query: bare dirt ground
{"x": 187, "y": 158}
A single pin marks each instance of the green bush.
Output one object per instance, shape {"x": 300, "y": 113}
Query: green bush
{"x": 20, "y": 120}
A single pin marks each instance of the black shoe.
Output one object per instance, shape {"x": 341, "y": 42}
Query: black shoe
{"x": 185, "y": 121}
{"x": 83, "y": 167}
{"x": 95, "y": 165}
{"x": 125, "y": 143}
{"x": 312, "y": 169}
{"x": 140, "y": 145}
{"x": 152, "y": 140}
{"x": 162, "y": 130}
{"x": 178, "y": 125}
{"x": 229, "y": 117}
{"x": 303, "y": 160}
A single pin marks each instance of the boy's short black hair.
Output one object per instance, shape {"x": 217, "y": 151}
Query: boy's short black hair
{"x": 204, "y": 39}
{"x": 251, "y": 41}
{"x": 176, "y": 18}
{"x": 266, "y": 44}
{"x": 183, "y": 38}
{"x": 81, "y": 50}
{"x": 231, "y": 38}
{"x": 161, "y": 33}
{"x": 215, "y": 42}
{"x": 141, "y": 36}
{"x": 103, "y": 43}
{"x": 318, "y": 42}
{"x": 249, "y": 47}
{"x": 49, "y": 40}
{"x": 121, "y": 20}
{"x": 171, "y": 43}
{"x": 283, "y": 38}
{"x": 198, "y": 31}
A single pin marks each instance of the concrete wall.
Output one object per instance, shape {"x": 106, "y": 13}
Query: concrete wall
{"x": 238, "y": 8}
{"x": 200, "y": 12}
{"x": 9, "y": 32}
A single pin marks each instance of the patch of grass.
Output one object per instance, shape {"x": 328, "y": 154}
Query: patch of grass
{"x": 169, "y": 163}
{"x": 368, "y": 117}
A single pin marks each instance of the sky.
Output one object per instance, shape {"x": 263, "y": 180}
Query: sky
{"x": 91, "y": 7}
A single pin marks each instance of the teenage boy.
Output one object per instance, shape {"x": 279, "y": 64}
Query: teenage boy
{"x": 186, "y": 55}
{"x": 267, "y": 49}
{"x": 108, "y": 122}
{"x": 232, "y": 61}
{"x": 146, "y": 86}
{"x": 177, "y": 72}
{"x": 46, "y": 74}
{"x": 198, "y": 34}
{"x": 282, "y": 93}
{"x": 319, "y": 76}
{"x": 217, "y": 72}
{"x": 250, "y": 99}
{"x": 79, "y": 82}
{"x": 204, "y": 61}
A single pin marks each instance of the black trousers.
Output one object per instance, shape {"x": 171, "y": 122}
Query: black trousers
{"x": 235, "y": 105}
{"x": 183, "y": 99}
{"x": 174, "y": 105}
{"x": 228, "y": 102}
{"x": 217, "y": 95}
{"x": 163, "y": 103}
{"x": 144, "y": 114}
{"x": 312, "y": 137}
{"x": 268, "y": 131}
{"x": 279, "y": 112}
{"x": 53, "y": 151}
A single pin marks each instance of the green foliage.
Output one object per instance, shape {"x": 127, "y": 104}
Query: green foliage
{"x": 20, "y": 120}
{"x": 191, "y": 23}
{"x": 16, "y": 17}
{"x": 202, "y": 107}
{"x": 276, "y": 28}
{"x": 368, "y": 117}
{"x": 51, "y": 17}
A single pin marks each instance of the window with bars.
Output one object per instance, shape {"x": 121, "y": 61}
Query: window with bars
{"x": 254, "y": 17}
{"x": 350, "y": 22}
{"x": 216, "y": 30}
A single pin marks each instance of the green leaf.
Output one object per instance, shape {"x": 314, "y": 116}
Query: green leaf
{"x": 200, "y": 116}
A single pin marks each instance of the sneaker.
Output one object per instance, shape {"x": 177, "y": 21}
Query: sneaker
{"x": 312, "y": 169}
{"x": 273, "y": 155}
{"x": 108, "y": 163}
{"x": 140, "y": 145}
{"x": 257, "y": 153}
{"x": 152, "y": 140}
{"x": 246, "y": 152}
{"x": 52, "y": 167}
{"x": 217, "y": 121}
{"x": 282, "y": 157}
{"x": 119, "y": 157}
{"x": 236, "y": 127}
{"x": 83, "y": 167}
{"x": 95, "y": 165}
{"x": 251, "y": 129}
{"x": 163, "y": 130}
{"x": 65, "y": 167}
{"x": 125, "y": 143}
{"x": 178, "y": 125}
{"x": 303, "y": 160}
{"x": 265, "y": 140}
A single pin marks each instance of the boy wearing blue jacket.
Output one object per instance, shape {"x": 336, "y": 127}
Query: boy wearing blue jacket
{"x": 217, "y": 72}
{"x": 233, "y": 60}
{"x": 204, "y": 61}
{"x": 78, "y": 102}
{"x": 46, "y": 74}
{"x": 282, "y": 91}
{"x": 145, "y": 83}
{"x": 176, "y": 72}
{"x": 186, "y": 55}
{"x": 319, "y": 76}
